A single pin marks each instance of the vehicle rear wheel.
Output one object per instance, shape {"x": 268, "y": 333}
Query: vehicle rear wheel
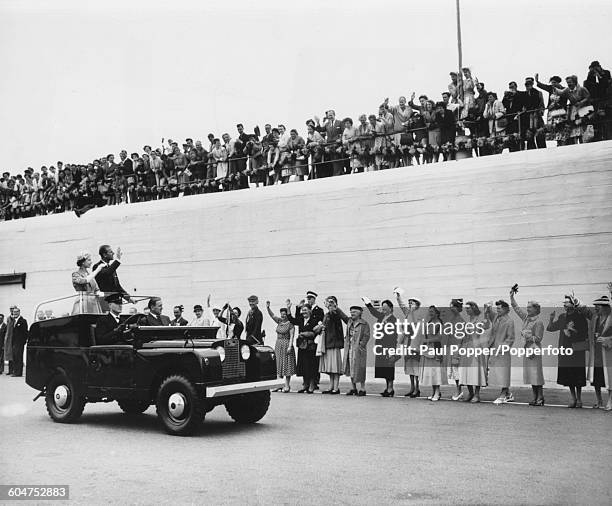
{"x": 132, "y": 407}
{"x": 248, "y": 408}
{"x": 63, "y": 403}
{"x": 178, "y": 406}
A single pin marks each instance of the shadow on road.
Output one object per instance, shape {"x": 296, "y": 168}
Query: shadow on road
{"x": 149, "y": 422}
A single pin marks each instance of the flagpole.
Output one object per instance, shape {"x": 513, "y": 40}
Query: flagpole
{"x": 459, "y": 50}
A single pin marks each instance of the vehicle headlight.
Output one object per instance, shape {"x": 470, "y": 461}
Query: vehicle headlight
{"x": 245, "y": 352}
{"x": 221, "y": 351}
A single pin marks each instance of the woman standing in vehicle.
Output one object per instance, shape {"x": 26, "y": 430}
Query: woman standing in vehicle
{"x": 85, "y": 284}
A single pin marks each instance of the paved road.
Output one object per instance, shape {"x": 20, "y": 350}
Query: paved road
{"x": 315, "y": 450}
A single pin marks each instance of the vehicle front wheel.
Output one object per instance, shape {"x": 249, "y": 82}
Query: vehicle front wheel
{"x": 132, "y": 407}
{"x": 63, "y": 403}
{"x": 178, "y": 406}
{"x": 248, "y": 408}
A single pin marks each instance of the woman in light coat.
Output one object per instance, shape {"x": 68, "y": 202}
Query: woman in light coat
{"x": 412, "y": 361}
{"x": 495, "y": 113}
{"x": 533, "y": 333}
{"x": 599, "y": 371}
{"x": 355, "y": 351}
{"x": 433, "y": 371}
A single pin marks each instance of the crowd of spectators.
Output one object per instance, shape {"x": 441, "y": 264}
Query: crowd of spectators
{"x": 467, "y": 121}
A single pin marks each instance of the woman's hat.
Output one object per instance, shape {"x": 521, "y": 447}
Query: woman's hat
{"x": 604, "y": 300}
{"x": 197, "y": 307}
{"x": 356, "y": 308}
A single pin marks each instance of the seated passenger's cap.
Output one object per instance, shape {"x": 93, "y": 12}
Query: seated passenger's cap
{"x": 114, "y": 298}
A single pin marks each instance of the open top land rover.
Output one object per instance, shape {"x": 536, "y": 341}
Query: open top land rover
{"x": 184, "y": 371}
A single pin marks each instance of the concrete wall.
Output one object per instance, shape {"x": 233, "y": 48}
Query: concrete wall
{"x": 467, "y": 229}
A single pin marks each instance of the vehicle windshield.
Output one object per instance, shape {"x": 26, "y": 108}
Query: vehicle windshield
{"x": 83, "y": 303}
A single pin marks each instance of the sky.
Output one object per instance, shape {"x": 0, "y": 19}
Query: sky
{"x": 81, "y": 79}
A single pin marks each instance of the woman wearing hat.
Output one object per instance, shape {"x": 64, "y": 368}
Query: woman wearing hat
{"x": 532, "y": 332}
{"x": 84, "y": 282}
{"x": 307, "y": 360}
{"x": 385, "y": 363}
{"x": 355, "y": 351}
{"x": 412, "y": 361}
{"x": 473, "y": 369}
{"x": 285, "y": 354}
{"x": 573, "y": 333}
{"x": 600, "y": 351}
{"x": 433, "y": 372}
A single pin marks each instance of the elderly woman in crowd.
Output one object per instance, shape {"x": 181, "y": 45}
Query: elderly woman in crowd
{"x": 600, "y": 351}
{"x": 573, "y": 333}
{"x": 412, "y": 361}
{"x": 433, "y": 372}
{"x": 355, "y": 351}
{"x": 331, "y": 343}
{"x": 285, "y": 354}
{"x": 473, "y": 369}
{"x": 532, "y": 333}
{"x": 385, "y": 363}
{"x": 500, "y": 363}
{"x": 84, "y": 282}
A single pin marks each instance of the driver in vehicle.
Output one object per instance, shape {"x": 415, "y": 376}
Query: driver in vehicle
{"x": 109, "y": 330}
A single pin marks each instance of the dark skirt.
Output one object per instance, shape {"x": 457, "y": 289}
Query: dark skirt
{"x": 384, "y": 365}
{"x": 307, "y": 363}
{"x": 599, "y": 380}
{"x": 571, "y": 370}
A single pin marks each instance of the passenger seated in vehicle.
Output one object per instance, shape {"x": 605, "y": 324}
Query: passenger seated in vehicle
{"x": 155, "y": 318}
{"x": 109, "y": 329}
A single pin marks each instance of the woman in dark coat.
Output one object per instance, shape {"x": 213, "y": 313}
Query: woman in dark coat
{"x": 385, "y": 363}
{"x": 573, "y": 330}
{"x": 307, "y": 360}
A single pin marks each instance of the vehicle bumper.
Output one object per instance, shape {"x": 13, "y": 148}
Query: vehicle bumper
{"x": 243, "y": 388}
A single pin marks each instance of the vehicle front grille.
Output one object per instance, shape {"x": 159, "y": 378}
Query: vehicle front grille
{"x": 233, "y": 367}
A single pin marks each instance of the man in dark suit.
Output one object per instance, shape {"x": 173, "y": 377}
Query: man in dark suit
{"x": 254, "y": 321}
{"x": 332, "y": 128}
{"x": 155, "y": 318}
{"x": 178, "y": 321}
{"x": 20, "y": 337}
{"x": 109, "y": 330}
{"x": 107, "y": 278}
{"x": 2, "y": 336}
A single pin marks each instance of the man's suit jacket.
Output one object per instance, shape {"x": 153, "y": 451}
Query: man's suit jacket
{"x": 2, "y": 336}
{"x": 181, "y": 322}
{"x": 20, "y": 332}
{"x": 154, "y": 321}
{"x": 107, "y": 330}
{"x": 333, "y": 130}
{"x": 107, "y": 278}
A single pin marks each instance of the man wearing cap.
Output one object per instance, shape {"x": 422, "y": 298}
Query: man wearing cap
{"x": 600, "y": 351}
{"x": 355, "y": 351}
{"x": 178, "y": 321}
{"x": 109, "y": 330}
{"x": 254, "y": 321}
{"x": 532, "y": 122}
{"x": 200, "y": 320}
{"x": 500, "y": 361}
{"x": 155, "y": 318}
{"x": 317, "y": 312}
{"x": 573, "y": 333}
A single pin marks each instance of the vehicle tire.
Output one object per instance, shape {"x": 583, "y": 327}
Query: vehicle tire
{"x": 63, "y": 403}
{"x": 132, "y": 407}
{"x": 248, "y": 408}
{"x": 179, "y": 407}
